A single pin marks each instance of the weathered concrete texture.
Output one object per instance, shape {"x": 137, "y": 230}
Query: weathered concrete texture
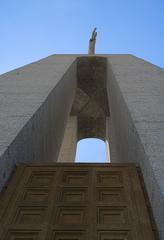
{"x": 35, "y": 102}
{"x": 136, "y": 96}
{"x": 91, "y": 102}
{"x": 68, "y": 147}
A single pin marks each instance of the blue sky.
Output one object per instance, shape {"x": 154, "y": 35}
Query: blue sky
{"x": 33, "y": 29}
{"x": 91, "y": 150}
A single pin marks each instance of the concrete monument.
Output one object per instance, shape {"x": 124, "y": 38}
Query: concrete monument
{"x": 47, "y": 106}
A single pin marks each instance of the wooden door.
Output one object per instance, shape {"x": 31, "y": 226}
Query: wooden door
{"x": 74, "y": 202}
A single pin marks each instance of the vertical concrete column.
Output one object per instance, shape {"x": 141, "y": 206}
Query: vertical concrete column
{"x": 110, "y": 138}
{"x": 35, "y": 105}
{"x": 136, "y": 96}
{"x": 68, "y": 147}
{"x": 107, "y": 151}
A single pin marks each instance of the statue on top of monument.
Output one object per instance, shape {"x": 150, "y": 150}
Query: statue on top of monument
{"x": 92, "y": 42}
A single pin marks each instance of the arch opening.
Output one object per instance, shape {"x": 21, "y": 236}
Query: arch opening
{"x": 92, "y": 150}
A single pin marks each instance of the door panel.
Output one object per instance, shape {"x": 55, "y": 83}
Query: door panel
{"x": 75, "y": 202}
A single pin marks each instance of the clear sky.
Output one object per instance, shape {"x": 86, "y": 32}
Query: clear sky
{"x": 91, "y": 150}
{"x": 33, "y": 29}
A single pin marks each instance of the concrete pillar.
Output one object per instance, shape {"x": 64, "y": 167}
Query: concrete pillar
{"x": 35, "y": 102}
{"x": 136, "y": 99}
{"x": 110, "y": 138}
{"x": 69, "y": 143}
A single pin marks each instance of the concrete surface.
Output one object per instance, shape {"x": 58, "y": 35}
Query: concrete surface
{"x": 68, "y": 148}
{"x": 91, "y": 103}
{"x": 136, "y": 96}
{"x": 35, "y": 104}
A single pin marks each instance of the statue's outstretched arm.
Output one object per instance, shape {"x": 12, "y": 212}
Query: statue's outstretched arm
{"x": 94, "y": 34}
{"x": 92, "y": 42}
